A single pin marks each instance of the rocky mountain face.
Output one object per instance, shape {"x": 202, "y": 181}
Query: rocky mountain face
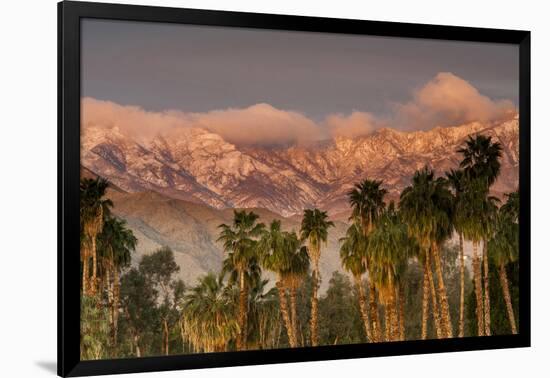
{"x": 198, "y": 166}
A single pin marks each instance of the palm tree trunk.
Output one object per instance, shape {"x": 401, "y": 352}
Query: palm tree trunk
{"x": 110, "y": 301}
{"x": 85, "y": 270}
{"x": 363, "y": 307}
{"x": 401, "y": 312}
{"x": 487, "y": 303}
{"x": 447, "y": 326}
{"x": 241, "y": 337}
{"x": 283, "y": 305}
{"x": 395, "y": 316}
{"x": 165, "y": 336}
{"x": 425, "y": 303}
{"x": 461, "y": 311}
{"x": 93, "y": 283}
{"x": 435, "y": 307}
{"x": 293, "y": 311}
{"x": 136, "y": 343}
{"x": 116, "y": 301}
{"x": 476, "y": 266}
{"x": 315, "y": 306}
{"x": 182, "y": 335}
{"x": 507, "y": 298}
{"x": 387, "y": 321}
{"x": 373, "y": 308}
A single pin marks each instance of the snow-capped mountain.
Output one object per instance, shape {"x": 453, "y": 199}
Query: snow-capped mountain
{"x": 199, "y": 166}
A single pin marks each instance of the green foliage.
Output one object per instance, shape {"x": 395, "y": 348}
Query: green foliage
{"x": 339, "y": 317}
{"x": 158, "y": 269}
{"x": 94, "y": 329}
{"x": 209, "y": 315}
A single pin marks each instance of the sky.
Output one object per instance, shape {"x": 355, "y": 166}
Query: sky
{"x": 299, "y": 83}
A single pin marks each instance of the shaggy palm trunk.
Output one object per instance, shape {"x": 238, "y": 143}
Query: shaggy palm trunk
{"x": 506, "y": 293}
{"x": 315, "y": 305}
{"x": 293, "y": 311}
{"x": 394, "y": 317}
{"x": 182, "y": 335}
{"x": 487, "y": 303}
{"x": 116, "y": 301}
{"x": 401, "y": 312}
{"x": 165, "y": 336}
{"x": 446, "y": 324}
{"x": 373, "y": 309}
{"x": 425, "y": 303}
{"x": 110, "y": 303}
{"x": 363, "y": 307}
{"x": 387, "y": 321}
{"x": 241, "y": 337}
{"x": 93, "y": 282}
{"x": 478, "y": 290}
{"x": 283, "y": 305}
{"x": 85, "y": 271}
{"x": 435, "y": 307}
{"x": 461, "y": 310}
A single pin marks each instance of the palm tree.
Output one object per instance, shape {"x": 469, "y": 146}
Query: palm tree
{"x": 314, "y": 229}
{"x": 239, "y": 241}
{"x": 504, "y": 248}
{"x": 294, "y": 277}
{"x": 281, "y": 253}
{"x": 352, "y": 252}
{"x": 116, "y": 244}
{"x": 426, "y": 208}
{"x": 367, "y": 202}
{"x": 481, "y": 158}
{"x": 264, "y": 323}
{"x": 252, "y": 279}
{"x": 94, "y": 209}
{"x": 481, "y": 162}
{"x": 208, "y": 315}
{"x": 274, "y": 257}
{"x": 388, "y": 248}
{"x": 457, "y": 182}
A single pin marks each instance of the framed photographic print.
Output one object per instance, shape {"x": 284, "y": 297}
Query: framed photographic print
{"x": 239, "y": 188}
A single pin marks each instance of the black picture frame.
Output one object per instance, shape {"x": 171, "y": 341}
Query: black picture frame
{"x": 69, "y": 16}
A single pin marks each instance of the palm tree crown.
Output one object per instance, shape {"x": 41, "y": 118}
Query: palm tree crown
{"x": 481, "y": 158}
{"x": 239, "y": 237}
{"x": 426, "y": 207}
{"x": 209, "y": 315}
{"x": 367, "y": 201}
{"x": 314, "y": 229}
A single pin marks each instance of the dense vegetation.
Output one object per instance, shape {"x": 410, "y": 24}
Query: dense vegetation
{"x": 407, "y": 278}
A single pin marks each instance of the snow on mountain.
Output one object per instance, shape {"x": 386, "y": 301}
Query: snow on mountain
{"x": 199, "y": 166}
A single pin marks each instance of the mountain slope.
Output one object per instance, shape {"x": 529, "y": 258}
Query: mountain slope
{"x": 191, "y": 230}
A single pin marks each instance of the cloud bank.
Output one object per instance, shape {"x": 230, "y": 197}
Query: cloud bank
{"x": 357, "y": 124}
{"x": 448, "y": 100}
{"x": 445, "y": 100}
{"x": 261, "y": 123}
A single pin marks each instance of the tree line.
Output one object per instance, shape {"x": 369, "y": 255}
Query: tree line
{"x": 408, "y": 279}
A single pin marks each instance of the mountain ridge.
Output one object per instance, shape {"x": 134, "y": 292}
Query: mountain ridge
{"x": 199, "y": 166}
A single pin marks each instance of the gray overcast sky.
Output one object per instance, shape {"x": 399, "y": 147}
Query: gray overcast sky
{"x": 198, "y": 68}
